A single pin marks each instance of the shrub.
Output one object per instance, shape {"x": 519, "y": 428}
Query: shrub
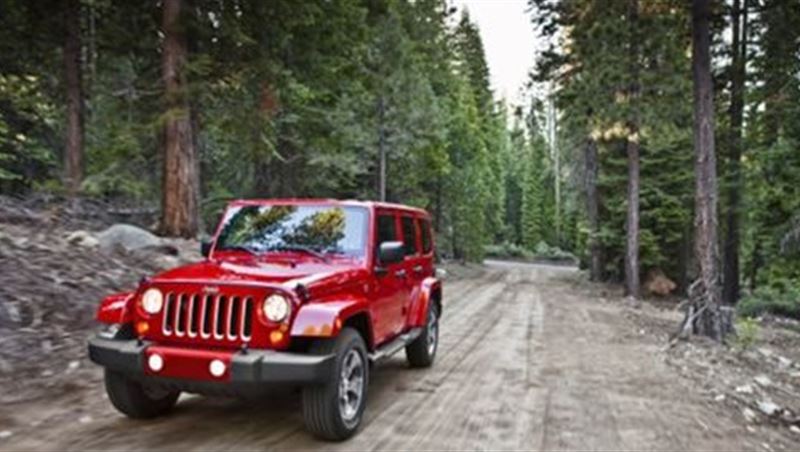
{"x": 553, "y": 253}
{"x": 508, "y": 250}
{"x": 543, "y": 251}
{"x": 782, "y": 301}
{"x": 746, "y": 332}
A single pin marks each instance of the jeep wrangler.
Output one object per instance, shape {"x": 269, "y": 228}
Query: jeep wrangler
{"x": 292, "y": 293}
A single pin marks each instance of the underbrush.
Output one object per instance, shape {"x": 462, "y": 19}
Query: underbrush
{"x": 542, "y": 251}
{"x": 781, "y": 301}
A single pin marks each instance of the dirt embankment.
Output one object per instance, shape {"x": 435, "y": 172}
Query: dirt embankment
{"x": 53, "y": 273}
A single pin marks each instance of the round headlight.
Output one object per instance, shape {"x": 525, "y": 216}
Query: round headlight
{"x": 152, "y": 300}
{"x": 276, "y": 308}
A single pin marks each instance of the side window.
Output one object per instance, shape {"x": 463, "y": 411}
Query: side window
{"x": 409, "y": 236}
{"x": 387, "y": 231}
{"x": 425, "y": 232}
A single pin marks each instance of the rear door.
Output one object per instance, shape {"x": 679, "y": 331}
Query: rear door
{"x": 425, "y": 266}
{"x": 413, "y": 264}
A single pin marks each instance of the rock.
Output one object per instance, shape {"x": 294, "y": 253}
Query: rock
{"x": 5, "y": 367}
{"x": 768, "y": 407}
{"x": 83, "y": 238}
{"x": 128, "y": 237}
{"x": 73, "y": 365}
{"x": 719, "y": 398}
{"x": 657, "y": 283}
{"x": 5, "y": 434}
{"x": 85, "y": 419}
{"x": 744, "y": 389}
{"x": 784, "y": 362}
{"x": 166, "y": 262}
{"x": 794, "y": 429}
{"x": 763, "y": 380}
{"x": 749, "y": 414}
{"x": 765, "y": 351}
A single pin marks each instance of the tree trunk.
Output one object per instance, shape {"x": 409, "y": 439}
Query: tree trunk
{"x": 706, "y": 316}
{"x": 632, "y": 221}
{"x": 381, "y": 150}
{"x": 730, "y": 288}
{"x": 592, "y": 209}
{"x": 179, "y": 197}
{"x": 73, "y": 152}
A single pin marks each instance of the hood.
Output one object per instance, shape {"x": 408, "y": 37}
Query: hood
{"x": 251, "y": 270}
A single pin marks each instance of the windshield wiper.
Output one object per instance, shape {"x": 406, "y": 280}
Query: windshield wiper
{"x": 240, "y": 248}
{"x": 302, "y": 248}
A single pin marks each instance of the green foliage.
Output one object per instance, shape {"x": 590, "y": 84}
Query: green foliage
{"x": 781, "y": 299}
{"x": 747, "y": 329}
{"x": 542, "y": 251}
{"x": 593, "y": 75}
{"x": 552, "y": 253}
{"x": 508, "y": 250}
{"x": 287, "y": 98}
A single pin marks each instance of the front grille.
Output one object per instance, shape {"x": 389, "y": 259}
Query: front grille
{"x": 218, "y": 317}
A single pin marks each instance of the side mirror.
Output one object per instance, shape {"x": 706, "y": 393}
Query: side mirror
{"x": 391, "y": 253}
{"x": 205, "y": 248}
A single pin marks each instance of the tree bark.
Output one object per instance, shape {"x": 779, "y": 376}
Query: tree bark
{"x": 592, "y": 211}
{"x": 381, "y": 150}
{"x": 705, "y": 293}
{"x": 730, "y": 288}
{"x": 180, "y": 187}
{"x": 632, "y": 220}
{"x": 73, "y": 151}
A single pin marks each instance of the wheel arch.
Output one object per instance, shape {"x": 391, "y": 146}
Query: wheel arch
{"x": 325, "y": 319}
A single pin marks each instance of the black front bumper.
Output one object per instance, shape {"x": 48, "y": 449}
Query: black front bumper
{"x": 247, "y": 368}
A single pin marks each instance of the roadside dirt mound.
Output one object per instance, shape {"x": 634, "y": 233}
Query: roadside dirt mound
{"x": 52, "y": 278}
{"x": 758, "y": 382}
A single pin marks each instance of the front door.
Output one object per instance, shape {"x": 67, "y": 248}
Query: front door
{"x": 390, "y": 289}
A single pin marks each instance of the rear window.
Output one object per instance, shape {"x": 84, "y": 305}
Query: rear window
{"x": 387, "y": 231}
{"x": 409, "y": 236}
{"x": 425, "y": 232}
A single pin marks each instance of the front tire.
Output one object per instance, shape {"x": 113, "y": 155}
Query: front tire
{"x": 137, "y": 400}
{"x": 422, "y": 351}
{"x": 333, "y": 410}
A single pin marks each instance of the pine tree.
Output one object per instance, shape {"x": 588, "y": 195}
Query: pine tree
{"x": 705, "y": 316}
{"x": 180, "y": 189}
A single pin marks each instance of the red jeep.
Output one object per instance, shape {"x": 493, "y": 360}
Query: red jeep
{"x": 302, "y": 293}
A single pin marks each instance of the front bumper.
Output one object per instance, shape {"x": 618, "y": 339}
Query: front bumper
{"x": 181, "y": 363}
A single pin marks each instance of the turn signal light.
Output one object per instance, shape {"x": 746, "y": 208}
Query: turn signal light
{"x": 142, "y": 327}
{"x": 275, "y": 336}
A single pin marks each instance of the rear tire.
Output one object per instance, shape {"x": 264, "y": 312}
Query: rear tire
{"x": 422, "y": 351}
{"x": 333, "y": 410}
{"x": 137, "y": 400}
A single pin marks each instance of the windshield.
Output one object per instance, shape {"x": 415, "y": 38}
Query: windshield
{"x": 312, "y": 229}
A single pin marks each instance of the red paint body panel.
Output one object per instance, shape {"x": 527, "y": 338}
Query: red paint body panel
{"x": 320, "y": 319}
{"x": 116, "y": 308}
{"x": 188, "y": 363}
{"x": 423, "y": 297}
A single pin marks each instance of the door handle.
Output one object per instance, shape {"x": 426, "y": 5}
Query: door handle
{"x": 418, "y": 269}
{"x": 400, "y": 273}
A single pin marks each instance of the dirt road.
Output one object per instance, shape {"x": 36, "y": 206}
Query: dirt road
{"x": 526, "y": 361}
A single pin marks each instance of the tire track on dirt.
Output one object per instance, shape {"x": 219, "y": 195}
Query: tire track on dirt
{"x": 458, "y": 411}
{"x": 393, "y": 383}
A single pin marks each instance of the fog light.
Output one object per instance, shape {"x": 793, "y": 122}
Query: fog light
{"x": 217, "y": 368}
{"x": 156, "y": 362}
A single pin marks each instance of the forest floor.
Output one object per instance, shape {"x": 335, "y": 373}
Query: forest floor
{"x": 531, "y": 357}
